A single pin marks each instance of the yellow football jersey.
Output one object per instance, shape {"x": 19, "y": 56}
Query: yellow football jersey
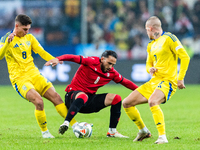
{"x": 163, "y": 54}
{"x": 18, "y": 54}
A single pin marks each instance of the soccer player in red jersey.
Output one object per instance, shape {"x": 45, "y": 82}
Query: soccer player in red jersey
{"x": 81, "y": 96}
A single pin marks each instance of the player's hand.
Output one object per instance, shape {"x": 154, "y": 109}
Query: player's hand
{"x": 52, "y": 62}
{"x": 11, "y": 37}
{"x": 152, "y": 70}
{"x": 181, "y": 84}
{"x": 60, "y": 62}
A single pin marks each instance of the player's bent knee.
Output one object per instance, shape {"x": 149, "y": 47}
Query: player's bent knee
{"x": 153, "y": 103}
{"x": 39, "y": 104}
{"x": 116, "y": 99}
{"x": 125, "y": 104}
{"x": 84, "y": 97}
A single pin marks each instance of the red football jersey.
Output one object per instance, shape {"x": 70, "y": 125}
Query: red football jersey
{"x": 89, "y": 76}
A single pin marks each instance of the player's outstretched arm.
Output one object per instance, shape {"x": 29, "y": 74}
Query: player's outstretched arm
{"x": 70, "y": 57}
{"x": 129, "y": 84}
{"x": 52, "y": 62}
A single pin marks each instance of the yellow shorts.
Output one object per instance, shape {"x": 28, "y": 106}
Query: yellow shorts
{"x": 37, "y": 82}
{"x": 149, "y": 87}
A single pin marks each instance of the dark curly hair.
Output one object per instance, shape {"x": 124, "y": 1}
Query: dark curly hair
{"x": 108, "y": 53}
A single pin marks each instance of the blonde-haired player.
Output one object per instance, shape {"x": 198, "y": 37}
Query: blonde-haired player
{"x": 26, "y": 79}
{"x": 163, "y": 53}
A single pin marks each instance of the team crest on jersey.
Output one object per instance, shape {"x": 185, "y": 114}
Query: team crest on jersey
{"x": 108, "y": 74}
{"x": 1, "y": 45}
{"x": 16, "y": 45}
{"x": 28, "y": 43}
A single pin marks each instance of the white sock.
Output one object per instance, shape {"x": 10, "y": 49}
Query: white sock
{"x": 66, "y": 123}
{"x": 144, "y": 129}
{"x": 73, "y": 126}
{"x": 45, "y": 131}
{"x": 112, "y": 130}
{"x": 163, "y": 137}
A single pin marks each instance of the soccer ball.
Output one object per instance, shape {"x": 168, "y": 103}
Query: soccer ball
{"x": 82, "y": 130}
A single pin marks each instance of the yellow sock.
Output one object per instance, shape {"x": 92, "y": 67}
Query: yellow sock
{"x": 158, "y": 119}
{"x": 134, "y": 115}
{"x": 62, "y": 110}
{"x": 41, "y": 119}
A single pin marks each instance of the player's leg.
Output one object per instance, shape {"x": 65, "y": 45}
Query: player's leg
{"x": 164, "y": 90}
{"x": 157, "y": 98}
{"x": 98, "y": 102}
{"x": 115, "y": 111}
{"x": 129, "y": 104}
{"x": 55, "y": 98}
{"x": 34, "y": 97}
{"x": 80, "y": 99}
{"x": 27, "y": 90}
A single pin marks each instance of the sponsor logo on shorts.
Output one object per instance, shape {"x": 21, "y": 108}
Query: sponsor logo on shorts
{"x": 24, "y": 87}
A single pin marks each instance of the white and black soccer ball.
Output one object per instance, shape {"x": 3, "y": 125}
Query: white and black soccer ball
{"x": 82, "y": 130}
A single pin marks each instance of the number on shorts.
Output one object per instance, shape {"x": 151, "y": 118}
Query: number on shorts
{"x": 159, "y": 86}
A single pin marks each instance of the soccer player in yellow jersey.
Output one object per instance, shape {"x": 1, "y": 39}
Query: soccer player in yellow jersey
{"x": 163, "y": 53}
{"x": 26, "y": 79}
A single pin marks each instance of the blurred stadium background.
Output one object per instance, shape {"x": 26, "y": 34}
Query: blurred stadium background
{"x": 89, "y": 27}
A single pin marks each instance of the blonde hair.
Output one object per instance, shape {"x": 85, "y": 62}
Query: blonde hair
{"x": 154, "y": 22}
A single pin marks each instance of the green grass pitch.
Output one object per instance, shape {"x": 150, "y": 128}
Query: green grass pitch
{"x": 19, "y": 129}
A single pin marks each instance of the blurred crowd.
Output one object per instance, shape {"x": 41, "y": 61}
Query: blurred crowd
{"x": 122, "y": 23}
{"x": 115, "y": 22}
